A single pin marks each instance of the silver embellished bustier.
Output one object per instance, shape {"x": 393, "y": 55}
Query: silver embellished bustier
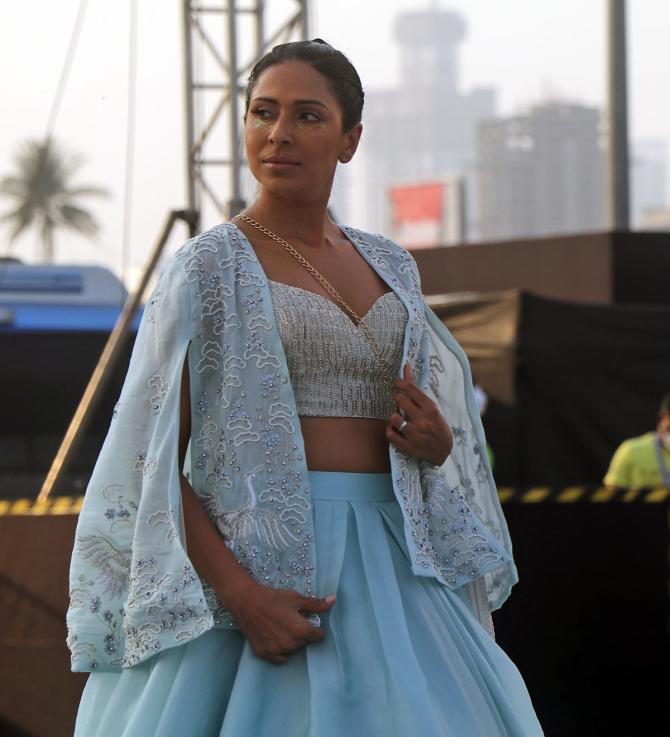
{"x": 333, "y": 371}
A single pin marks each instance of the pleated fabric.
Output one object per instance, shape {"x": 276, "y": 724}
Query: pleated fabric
{"x": 403, "y": 655}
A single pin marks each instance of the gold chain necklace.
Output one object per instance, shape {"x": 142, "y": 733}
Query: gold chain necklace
{"x": 360, "y": 323}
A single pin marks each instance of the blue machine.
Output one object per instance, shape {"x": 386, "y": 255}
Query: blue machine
{"x": 59, "y": 298}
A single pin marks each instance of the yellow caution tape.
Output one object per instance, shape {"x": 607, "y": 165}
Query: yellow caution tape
{"x": 571, "y": 494}
{"x": 631, "y": 495}
{"x": 505, "y": 494}
{"x": 603, "y": 495}
{"x": 535, "y": 495}
{"x": 30, "y": 507}
{"x": 72, "y": 504}
{"x": 62, "y": 505}
{"x": 657, "y": 495}
{"x": 21, "y": 506}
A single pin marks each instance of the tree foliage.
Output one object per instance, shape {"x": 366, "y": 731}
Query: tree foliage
{"x": 45, "y": 196}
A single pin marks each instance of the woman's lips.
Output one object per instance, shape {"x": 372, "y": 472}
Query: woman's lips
{"x": 279, "y": 164}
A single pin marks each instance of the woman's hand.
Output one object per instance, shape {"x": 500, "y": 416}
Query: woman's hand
{"x": 271, "y": 619}
{"x": 426, "y": 436}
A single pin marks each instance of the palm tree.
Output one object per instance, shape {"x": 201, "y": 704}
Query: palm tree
{"x": 44, "y": 195}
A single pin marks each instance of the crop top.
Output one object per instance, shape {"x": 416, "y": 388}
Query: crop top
{"x": 333, "y": 370}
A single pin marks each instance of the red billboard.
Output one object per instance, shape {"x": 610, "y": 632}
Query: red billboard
{"x": 427, "y": 214}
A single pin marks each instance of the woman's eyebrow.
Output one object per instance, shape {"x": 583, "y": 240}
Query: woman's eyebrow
{"x": 297, "y": 102}
{"x": 311, "y": 102}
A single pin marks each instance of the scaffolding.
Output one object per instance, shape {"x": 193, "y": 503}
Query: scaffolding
{"x": 215, "y": 79}
{"x": 222, "y": 42}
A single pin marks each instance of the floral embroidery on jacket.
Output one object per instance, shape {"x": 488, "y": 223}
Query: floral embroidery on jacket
{"x": 134, "y": 590}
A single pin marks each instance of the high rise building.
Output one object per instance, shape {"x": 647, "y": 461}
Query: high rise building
{"x": 423, "y": 129}
{"x": 541, "y": 173}
{"x": 649, "y": 181}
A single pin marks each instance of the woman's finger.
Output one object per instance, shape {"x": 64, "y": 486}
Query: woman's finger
{"x": 395, "y": 420}
{"x": 313, "y": 634}
{"x": 312, "y": 604}
{"x": 398, "y": 441}
{"x": 406, "y": 405}
{"x": 402, "y": 387}
{"x": 419, "y": 398}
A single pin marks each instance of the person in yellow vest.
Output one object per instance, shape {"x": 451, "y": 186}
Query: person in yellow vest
{"x": 644, "y": 462}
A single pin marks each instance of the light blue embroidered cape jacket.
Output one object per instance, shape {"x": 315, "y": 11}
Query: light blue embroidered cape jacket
{"x": 133, "y": 588}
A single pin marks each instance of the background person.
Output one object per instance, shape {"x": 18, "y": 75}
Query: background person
{"x": 644, "y": 461}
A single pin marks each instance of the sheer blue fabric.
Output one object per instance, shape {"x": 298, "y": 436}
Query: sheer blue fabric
{"x": 403, "y": 654}
{"x": 133, "y": 590}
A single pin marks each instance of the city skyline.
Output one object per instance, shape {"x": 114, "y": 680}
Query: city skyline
{"x": 92, "y": 121}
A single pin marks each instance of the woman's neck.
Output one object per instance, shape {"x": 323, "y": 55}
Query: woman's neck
{"x": 305, "y": 222}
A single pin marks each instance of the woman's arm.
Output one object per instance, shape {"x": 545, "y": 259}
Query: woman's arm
{"x": 269, "y": 618}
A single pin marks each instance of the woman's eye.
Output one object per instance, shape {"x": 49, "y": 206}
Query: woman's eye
{"x": 310, "y": 117}
{"x": 261, "y": 113}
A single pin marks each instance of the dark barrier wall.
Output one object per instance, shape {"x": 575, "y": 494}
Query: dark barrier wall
{"x": 44, "y": 376}
{"x": 641, "y": 264}
{"x": 587, "y": 625}
{"x": 38, "y": 693}
{"x": 598, "y": 268}
{"x": 42, "y": 379}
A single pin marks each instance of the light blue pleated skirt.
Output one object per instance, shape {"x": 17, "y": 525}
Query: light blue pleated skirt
{"x": 403, "y": 656}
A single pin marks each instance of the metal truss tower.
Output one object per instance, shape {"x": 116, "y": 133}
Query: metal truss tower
{"x": 222, "y": 41}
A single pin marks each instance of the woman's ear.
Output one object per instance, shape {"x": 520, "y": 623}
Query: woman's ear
{"x": 352, "y": 139}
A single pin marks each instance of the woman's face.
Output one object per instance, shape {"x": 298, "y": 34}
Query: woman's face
{"x": 293, "y": 132}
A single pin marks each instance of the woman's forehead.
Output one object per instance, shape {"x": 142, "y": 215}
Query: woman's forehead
{"x": 293, "y": 80}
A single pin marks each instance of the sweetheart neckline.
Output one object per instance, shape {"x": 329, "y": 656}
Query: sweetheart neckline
{"x": 331, "y": 302}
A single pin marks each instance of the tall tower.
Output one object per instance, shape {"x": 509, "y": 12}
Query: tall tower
{"x": 423, "y": 129}
{"x": 429, "y": 43}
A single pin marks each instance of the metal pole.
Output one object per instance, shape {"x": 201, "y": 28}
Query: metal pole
{"x": 108, "y": 358}
{"x": 236, "y": 204}
{"x": 618, "y": 205}
{"x": 215, "y": 141}
{"x": 191, "y": 192}
{"x": 260, "y": 27}
{"x": 305, "y": 18}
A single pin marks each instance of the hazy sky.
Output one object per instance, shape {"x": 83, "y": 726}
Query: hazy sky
{"x": 530, "y": 50}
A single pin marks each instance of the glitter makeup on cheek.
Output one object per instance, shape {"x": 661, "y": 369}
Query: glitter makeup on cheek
{"x": 261, "y": 123}
{"x": 311, "y": 127}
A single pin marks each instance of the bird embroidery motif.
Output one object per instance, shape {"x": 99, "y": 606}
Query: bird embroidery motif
{"x": 113, "y": 564}
{"x": 247, "y": 522}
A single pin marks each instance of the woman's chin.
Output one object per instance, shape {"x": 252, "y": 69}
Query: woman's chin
{"x": 298, "y": 191}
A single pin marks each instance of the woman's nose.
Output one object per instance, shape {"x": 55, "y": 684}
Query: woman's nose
{"x": 280, "y": 131}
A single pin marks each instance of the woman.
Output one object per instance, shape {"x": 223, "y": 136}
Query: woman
{"x": 338, "y": 519}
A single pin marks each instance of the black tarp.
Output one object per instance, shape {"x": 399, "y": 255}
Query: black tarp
{"x": 42, "y": 378}
{"x": 588, "y": 377}
{"x": 584, "y": 378}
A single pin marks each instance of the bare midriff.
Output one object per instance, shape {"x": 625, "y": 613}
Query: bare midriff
{"x": 355, "y": 444}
